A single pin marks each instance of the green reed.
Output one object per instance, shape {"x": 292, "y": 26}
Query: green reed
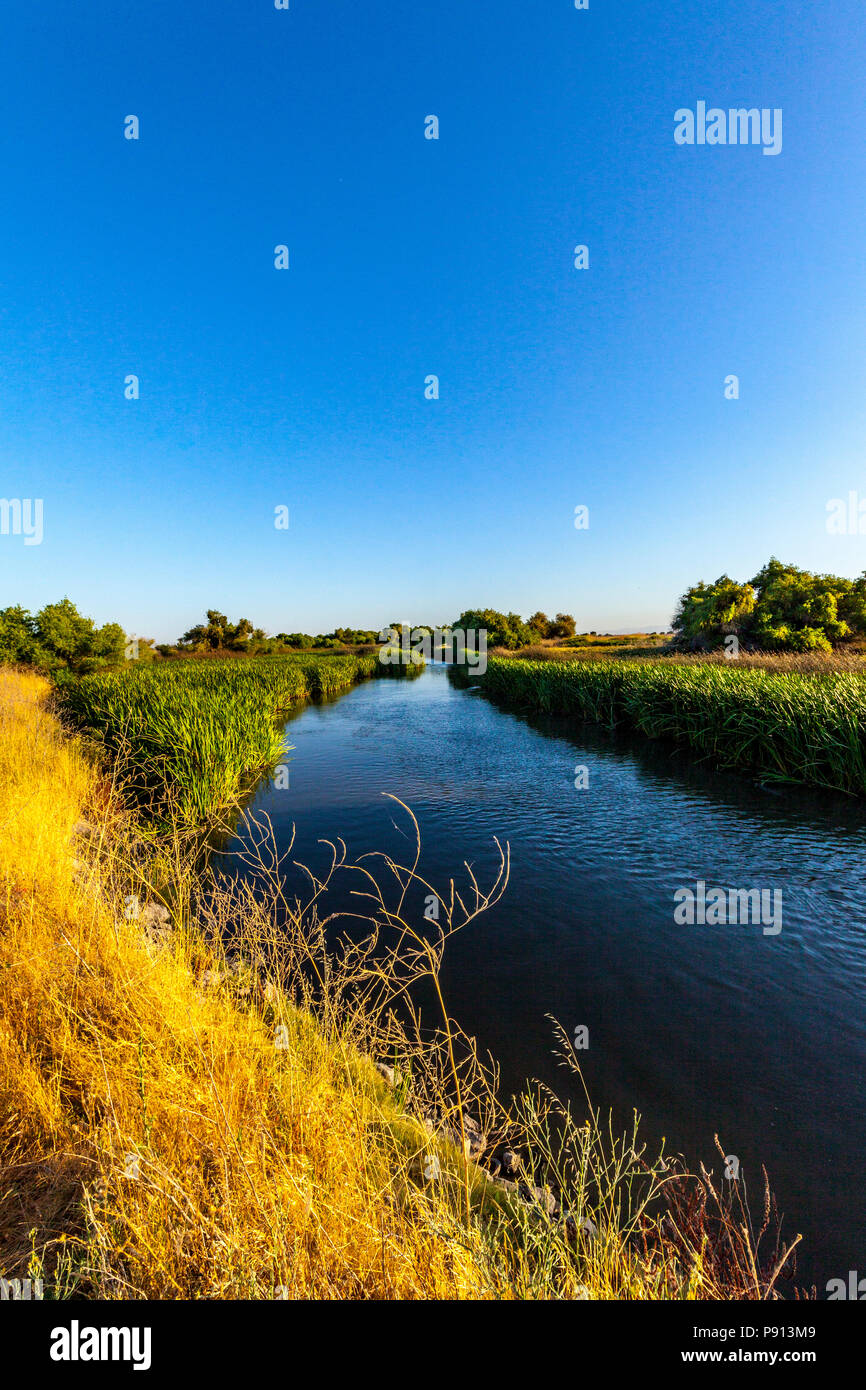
{"x": 786, "y": 727}
{"x": 198, "y": 733}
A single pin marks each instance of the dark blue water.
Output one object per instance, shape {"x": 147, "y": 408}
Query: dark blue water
{"x": 703, "y": 1029}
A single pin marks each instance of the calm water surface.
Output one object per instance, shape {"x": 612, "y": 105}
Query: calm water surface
{"x": 702, "y": 1029}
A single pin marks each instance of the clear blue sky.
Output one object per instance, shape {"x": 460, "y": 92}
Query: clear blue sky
{"x": 411, "y": 257}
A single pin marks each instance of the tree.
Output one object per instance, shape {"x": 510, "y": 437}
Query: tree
{"x": 18, "y": 641}
{"x": 799, "y": 610}
{"x": 708, "y": 612}
{"x": 59, "y": 637}
{"x": 783, "y": 608}
{"x": 145, "y": 650}
{"x": 238, "y": 635}
{"x": 540, "y": 624}
{"x": 217, "y": 634}
{"x": 503, "y": 629}
{"x": 63, "y": 631}
{"x": 563, "y": 626}
{"x": 108, "y": 647}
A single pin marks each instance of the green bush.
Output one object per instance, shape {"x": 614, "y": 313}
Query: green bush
{"x": 503, "y": 629}
{"x": 59, "y": 638}
{"x": 782, "y": 608}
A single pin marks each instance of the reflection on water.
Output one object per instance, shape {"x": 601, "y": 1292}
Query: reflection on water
{"x": 703, "y": 1029}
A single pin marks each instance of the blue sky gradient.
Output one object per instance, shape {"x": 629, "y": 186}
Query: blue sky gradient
{"x": 409, "y": 257}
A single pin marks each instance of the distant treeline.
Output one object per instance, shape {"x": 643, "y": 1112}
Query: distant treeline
{"x": 218, "y": 634}
{"x": 511, "y": 631}
{"x": 58, "y": 637}
{"x": 782, "y": 608}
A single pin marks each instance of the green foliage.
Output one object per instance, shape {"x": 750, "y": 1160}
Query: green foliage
{"x": 503, "y": 629}
{"x": 59, "y": 638}
{"x": 510, "y": 631}
{"x": 198, "y": 732}
{"x": 355, "y": 636}
{"x": 220, "y": 635}
{"x": 19, "y": 644}
{"x": 708, "y": 612}
{"x": 787, "y": 727}
{"x": 146, "y": 651}
{"x": 782, "y": 609}
{"x": 217, "y": 634}
{"x": 563, "y": 626}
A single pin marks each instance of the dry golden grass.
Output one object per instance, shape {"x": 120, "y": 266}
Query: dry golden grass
{"x": 168, "y": 1135}
{"x": 153, "y": 1138}
{"x": 842, "y": 661}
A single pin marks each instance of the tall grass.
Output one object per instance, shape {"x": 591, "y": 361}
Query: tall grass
{"x": 783, "y": 725}
{"x": 198, "y": 732}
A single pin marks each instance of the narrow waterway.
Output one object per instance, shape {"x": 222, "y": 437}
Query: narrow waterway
{"x": 756, "y": 1035}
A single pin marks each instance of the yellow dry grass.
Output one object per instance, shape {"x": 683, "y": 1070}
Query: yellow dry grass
{"x": 154, "y": 1141}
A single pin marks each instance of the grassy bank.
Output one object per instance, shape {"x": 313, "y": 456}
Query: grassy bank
{"x": 153, "y": 1140}
{"x": 195, "y": 733}
{"x": 782, "y": 724}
